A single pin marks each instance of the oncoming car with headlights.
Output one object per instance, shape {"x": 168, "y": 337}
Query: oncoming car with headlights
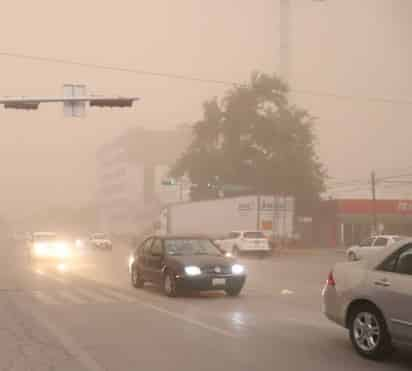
{"x": 47, "y": 247}
{"x": 179, "y": 263}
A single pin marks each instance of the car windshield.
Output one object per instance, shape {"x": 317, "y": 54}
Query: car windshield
{"x": 45, "y": 238}
{"x": 190, "y": 247}
{"x": 254, "y": 235}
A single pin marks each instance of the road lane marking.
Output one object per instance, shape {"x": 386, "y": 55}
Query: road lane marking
{"x": 191, "y": 321}
{"x": 71, "y": 297}
{"x": 286, "y": 292}
{"x": 44, "y": 298}
{"x": 95, "y": 296}
{"x": 118, "y": 295}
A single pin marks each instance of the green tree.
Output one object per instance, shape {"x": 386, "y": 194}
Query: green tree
{"x": 254, "y": 138}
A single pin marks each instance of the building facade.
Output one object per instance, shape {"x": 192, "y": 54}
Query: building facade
{"x": 130, "y": 171}
{"x": 345, "y": 222}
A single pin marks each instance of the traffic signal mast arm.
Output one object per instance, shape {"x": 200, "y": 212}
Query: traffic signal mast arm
{"x": 30, "y": 103}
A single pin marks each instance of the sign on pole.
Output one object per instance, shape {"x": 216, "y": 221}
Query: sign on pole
{"x": 74, "y": 109}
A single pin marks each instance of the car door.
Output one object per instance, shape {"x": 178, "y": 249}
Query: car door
{"x": 365, "y": 247}
{"x": 155, "y": 261}
{"x": 144, "y": 259}
{"x": 392, "y": 292}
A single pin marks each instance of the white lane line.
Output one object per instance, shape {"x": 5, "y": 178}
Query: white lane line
{"x": 191, "y": 321}
{"x": 44, "y": 298}
{"x": 94, "y": 296}
{"x": 65, "y": 294}
{"x": 118, "y": 295}
{"x": 286, "y": 292}
{"x": 86, "y": 361}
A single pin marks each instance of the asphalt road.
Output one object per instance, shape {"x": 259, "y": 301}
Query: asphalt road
{"x": 89, "y": 318}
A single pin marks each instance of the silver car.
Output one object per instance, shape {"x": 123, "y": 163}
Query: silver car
{"x": 373, "y": 299}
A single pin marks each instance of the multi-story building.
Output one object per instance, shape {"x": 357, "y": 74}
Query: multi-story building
{"x": 131, "y": 170}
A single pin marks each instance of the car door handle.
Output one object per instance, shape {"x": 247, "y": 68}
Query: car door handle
{"x": 383, "y": 282}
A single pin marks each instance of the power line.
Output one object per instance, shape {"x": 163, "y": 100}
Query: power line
{"x": 193, "y": 78}
{"x": 116, "y": 68}
{"x": 351, "y": 97}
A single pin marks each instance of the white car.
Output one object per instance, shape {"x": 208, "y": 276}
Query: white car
{"x": 371, "y": 245}
{"x": 49, "y": 247}
{"x": 372, "y": 298}
{"x": 245, "y": 241}
{"x": 101, "y": 241}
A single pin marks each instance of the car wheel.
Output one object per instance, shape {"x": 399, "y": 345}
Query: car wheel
{"x": 233, "y": 290}
{"x": 368, "y": 332}
{"x": 352, "y": 256}
{"x": 136, "y": 277}
{"x": 169, "y": 285}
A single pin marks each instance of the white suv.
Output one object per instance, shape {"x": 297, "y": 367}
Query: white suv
{"x": 371, "y": 245}
{"x": 245, "y": 241}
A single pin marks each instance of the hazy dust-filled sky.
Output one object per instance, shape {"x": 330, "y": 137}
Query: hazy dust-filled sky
{"x": 355, "y": 48}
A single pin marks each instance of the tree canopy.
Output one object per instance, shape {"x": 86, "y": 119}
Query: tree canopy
{"x": 255, "y": 140}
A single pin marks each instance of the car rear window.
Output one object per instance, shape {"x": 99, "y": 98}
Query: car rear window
{"x": 254, "y": 235}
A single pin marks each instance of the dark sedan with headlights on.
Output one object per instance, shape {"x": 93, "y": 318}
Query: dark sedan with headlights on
{"x": 182, "y": 263}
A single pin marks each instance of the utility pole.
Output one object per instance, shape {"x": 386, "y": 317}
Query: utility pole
{"x": 373, "y": 185}
{"x": 284, "y": 40}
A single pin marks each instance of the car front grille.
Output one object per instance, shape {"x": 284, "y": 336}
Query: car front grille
{"x": 217, "y": 269}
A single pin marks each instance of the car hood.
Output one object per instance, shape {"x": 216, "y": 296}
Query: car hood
{"x": 201, "y": 260}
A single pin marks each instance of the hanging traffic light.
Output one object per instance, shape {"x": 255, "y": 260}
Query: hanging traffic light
{"x": 22, "y": 105}
{"x": 111, "y": 102}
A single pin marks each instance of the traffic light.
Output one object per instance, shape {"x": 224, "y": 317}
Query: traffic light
{"x": 22, "y": 105}
{"x": 111, "y": 102}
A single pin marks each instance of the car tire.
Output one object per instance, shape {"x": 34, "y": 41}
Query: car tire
{"x": 233, "y": 290}
{"x": 352, "y": 256}
{"x": 136, "y": 278}
{"x": 368, "y": 332}
{"x": 169, "y": 285}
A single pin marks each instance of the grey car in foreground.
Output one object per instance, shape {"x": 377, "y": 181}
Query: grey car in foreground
{"x": 372, "y": 298}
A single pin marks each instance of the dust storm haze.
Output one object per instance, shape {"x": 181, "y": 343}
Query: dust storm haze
{"x": 352, "y": 48}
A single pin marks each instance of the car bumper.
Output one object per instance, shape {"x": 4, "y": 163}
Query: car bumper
{"x": 332, "y": 306}
{"x": 209, "y": 282}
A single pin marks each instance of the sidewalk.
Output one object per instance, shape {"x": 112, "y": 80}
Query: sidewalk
{"x": 25, "y": 345}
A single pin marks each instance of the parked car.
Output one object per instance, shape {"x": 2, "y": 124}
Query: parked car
{"x": 372, "y": 298}
{"x": 238, "y": 242}
{"x": 179, "y": 263}
{"x": 370, "y": 245}
{"x": 101, "y": 241}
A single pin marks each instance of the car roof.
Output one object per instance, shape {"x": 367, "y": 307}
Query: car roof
{"x": 182, "y": 236}
{"x": 44, "y": 234}
{"x": 387, "y": 236}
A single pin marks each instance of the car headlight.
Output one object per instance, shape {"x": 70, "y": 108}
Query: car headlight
{"x": 62, "y": 250}
{"x": 40, "y": 249}
{"x": 131, "y": 261}
{"x": 79, "y": 243}
{"x": 192, "y": 270}
{"x": 238, "y": 269}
